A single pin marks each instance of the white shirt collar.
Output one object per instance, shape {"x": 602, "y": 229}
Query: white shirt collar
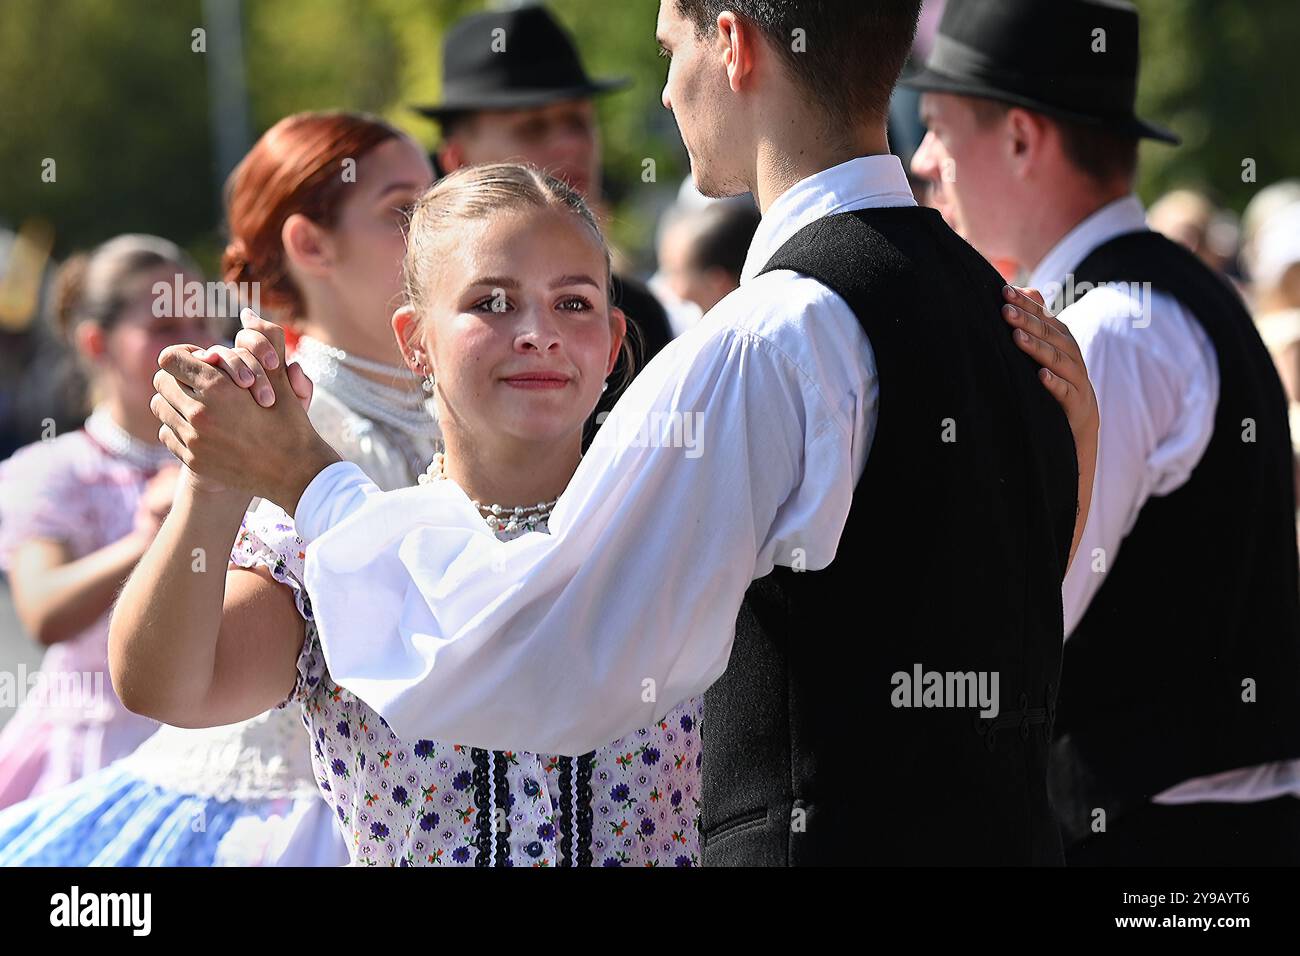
{"x": 867, "y": 181}
{"x": 1113, "y": 219}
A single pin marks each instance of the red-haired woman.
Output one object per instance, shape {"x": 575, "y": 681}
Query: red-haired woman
{"x": 316, "y": 213}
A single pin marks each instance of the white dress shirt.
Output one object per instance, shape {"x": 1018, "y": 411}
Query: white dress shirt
{"x": 737, "y": 448}
{"x": 1157, "y": 382}
{"x": 1157, "y": 388}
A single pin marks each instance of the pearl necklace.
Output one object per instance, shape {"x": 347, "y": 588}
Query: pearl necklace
{"x": 498, "y": 517}
{"x": 408, "y": 410}
{"x": 118, "y": 442}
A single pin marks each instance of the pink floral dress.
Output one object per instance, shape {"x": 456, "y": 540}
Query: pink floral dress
{"x": 432, "y": 803}
{"x": 68, "y": 721}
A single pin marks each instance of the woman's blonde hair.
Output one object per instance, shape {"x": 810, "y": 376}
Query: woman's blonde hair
{"x": 476, "y": 192}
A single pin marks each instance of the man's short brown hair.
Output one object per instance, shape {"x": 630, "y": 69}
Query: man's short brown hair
{"x": 1095, "y": 151}
{"x": 851, "y": 52}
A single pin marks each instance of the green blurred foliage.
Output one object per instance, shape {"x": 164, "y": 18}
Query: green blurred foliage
{"x": 119, "y": 103}
{"x": 111, "y": 90}
{"x": 1223, "y": 75}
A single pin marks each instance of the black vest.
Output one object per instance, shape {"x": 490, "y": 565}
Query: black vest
{"x": 952, "y": 559}
{"x": 1202, "y": 596}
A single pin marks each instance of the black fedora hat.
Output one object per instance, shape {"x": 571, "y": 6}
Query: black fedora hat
{"x": 511, "y": 59}
{"x": 1072, "y": 59}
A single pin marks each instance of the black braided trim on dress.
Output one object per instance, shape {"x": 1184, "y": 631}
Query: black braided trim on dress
{"x": 584, "y": 815}
{"x": 502, "y": 807}
{"x": 566, "y": 811}
{"x": 483, "y": 806}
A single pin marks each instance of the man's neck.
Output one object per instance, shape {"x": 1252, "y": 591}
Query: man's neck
{"x": 789, "y": 154}
{"x": 1053, "y": 216}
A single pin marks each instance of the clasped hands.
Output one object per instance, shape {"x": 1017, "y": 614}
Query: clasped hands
{"x": 231, "y": 442}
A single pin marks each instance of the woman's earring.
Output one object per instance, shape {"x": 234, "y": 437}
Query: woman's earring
{"x": 428, "y": 382}
{"x": 604, "y": 386}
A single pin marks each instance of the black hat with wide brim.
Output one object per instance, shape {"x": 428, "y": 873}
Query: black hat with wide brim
{"x": 1071, "y": 59}
{"x": 511, "y": 59}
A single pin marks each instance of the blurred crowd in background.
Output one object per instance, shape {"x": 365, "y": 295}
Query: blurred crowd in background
{"x": 160, "y": 101}
{"x": 145, "y": 121}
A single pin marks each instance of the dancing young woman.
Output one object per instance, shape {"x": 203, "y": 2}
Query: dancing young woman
{"x": 315, "y": 212}
{"x": 78, "y": 510}
{"x": 508, "y": 273}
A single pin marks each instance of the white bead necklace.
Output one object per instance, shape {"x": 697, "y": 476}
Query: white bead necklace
{"x": 498, "y": 517}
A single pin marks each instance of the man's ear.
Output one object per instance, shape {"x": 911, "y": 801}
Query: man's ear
{"x": 618, "y": 321}
{"x": 307, "y": 245}
{"x": 451, "y": 156}
{"x": 1025, "y": 134}
{"x": 737, "y": 40}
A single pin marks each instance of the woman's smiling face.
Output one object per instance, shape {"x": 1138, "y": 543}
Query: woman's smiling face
{"x": 519, "y": 325}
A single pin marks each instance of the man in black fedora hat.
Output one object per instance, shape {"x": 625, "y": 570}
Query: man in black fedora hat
{"x": 1178, "y": 726}
{"x": 514, "y": 89}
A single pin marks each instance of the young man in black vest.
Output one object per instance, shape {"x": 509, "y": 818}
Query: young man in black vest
{"x": 1178, "y": 728}
{"x": 867, "y": 533}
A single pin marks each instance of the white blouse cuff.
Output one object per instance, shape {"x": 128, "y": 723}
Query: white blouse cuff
{"x": 336, "y": 491}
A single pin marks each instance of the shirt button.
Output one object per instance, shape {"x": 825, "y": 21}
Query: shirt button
{"x": 533, "y": 849}
{"x": 531, "y": 788}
